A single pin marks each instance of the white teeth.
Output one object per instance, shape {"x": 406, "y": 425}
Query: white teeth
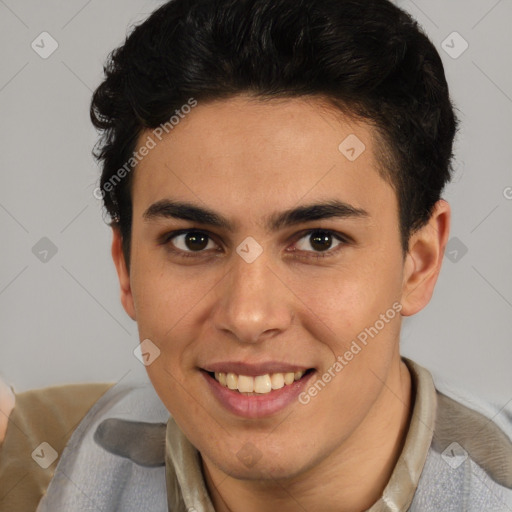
{"x": 232, "y": 381}
{"x": 261, "y": 384}
{"x": 245, "y": 384}
{"x": 289, "y": 377}
{"x": 221, "y": 377}
{"x": 277, "y": 380}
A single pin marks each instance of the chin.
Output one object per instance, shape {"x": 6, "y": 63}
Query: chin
{"x": 249, "y": 463}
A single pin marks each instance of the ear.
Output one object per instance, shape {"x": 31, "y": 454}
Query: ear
{"x": 122, "y": 273}
{"x": 424, "y": 259}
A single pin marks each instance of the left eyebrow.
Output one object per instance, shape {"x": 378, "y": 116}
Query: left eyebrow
{"x": 168, "y": 209}
{"x": 318, "y": 211}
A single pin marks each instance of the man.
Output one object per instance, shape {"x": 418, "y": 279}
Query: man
{"x": 273, "y": 171}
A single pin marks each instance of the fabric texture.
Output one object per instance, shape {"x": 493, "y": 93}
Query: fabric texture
{"x": 129, "y": 455}
{"x": 47, "y": 415}
{"x": 108, "y": 471}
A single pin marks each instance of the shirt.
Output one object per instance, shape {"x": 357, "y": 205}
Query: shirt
{"x": 126, "y": 453}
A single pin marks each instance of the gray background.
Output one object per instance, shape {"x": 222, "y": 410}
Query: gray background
{"x": 61, "y": 320}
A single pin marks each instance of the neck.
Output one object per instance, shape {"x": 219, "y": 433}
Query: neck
{"x": 351, "y": 479}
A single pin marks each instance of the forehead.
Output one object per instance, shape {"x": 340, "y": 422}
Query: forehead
{"x": 253, "y": 155}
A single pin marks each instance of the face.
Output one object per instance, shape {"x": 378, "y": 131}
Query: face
{"x": 234, "y": 271}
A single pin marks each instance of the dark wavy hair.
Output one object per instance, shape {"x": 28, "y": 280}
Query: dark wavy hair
{"x": 368, "y": 58}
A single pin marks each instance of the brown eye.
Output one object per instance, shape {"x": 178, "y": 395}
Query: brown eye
{"x": 196, "y": 241}
{"x": 319, "y": 240}
{"x": 192, "y": 241}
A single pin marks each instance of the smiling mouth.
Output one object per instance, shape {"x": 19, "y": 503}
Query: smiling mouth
{"x": 257, "y": 385}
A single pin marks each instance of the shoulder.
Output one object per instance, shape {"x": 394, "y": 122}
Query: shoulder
{"x": 120, "y": 440}
{"x": 469, "y": 463}
{"x": 483, "y": 431}
{"x": 39, "y": 425}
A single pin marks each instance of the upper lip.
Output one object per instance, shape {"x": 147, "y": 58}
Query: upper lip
{"x": 254, "y": 369}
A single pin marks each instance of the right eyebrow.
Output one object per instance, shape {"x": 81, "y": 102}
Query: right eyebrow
{"x": 167, "y": 208}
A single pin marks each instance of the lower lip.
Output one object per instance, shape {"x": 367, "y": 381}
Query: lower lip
{"x": 257, "y": 406}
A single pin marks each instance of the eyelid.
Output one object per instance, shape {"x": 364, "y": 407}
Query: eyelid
{"x": 166, "y": 238}
{"x": 340, "y": 237}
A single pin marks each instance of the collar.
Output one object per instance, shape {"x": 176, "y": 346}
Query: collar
{"x": 186, "y": 488}
{"x": 399, "y": 491}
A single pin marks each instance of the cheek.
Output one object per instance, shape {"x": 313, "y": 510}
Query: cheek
{"x": 343, "y": 301}
{"x": 165, "y": 294}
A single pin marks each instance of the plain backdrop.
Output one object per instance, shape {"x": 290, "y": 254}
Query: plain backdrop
{"x": 61, "y": 320}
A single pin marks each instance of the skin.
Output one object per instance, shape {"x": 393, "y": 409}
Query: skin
{"x": 244, "y": 159}
{"x": 7, "y": 401}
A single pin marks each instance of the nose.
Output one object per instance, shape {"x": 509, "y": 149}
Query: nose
{"x": 253, "y": 302}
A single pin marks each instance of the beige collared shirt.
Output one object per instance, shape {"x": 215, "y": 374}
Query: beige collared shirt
{"x": 423, "y": 475}
{"x": 184, "y": 467}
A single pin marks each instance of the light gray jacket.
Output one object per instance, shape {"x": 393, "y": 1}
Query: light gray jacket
{"x": 128, "y": 455}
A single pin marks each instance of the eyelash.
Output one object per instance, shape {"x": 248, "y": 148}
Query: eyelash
{"x": 168, "y": 237}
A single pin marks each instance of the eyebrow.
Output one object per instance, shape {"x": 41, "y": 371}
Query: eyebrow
{"x": 168, "y": 209}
